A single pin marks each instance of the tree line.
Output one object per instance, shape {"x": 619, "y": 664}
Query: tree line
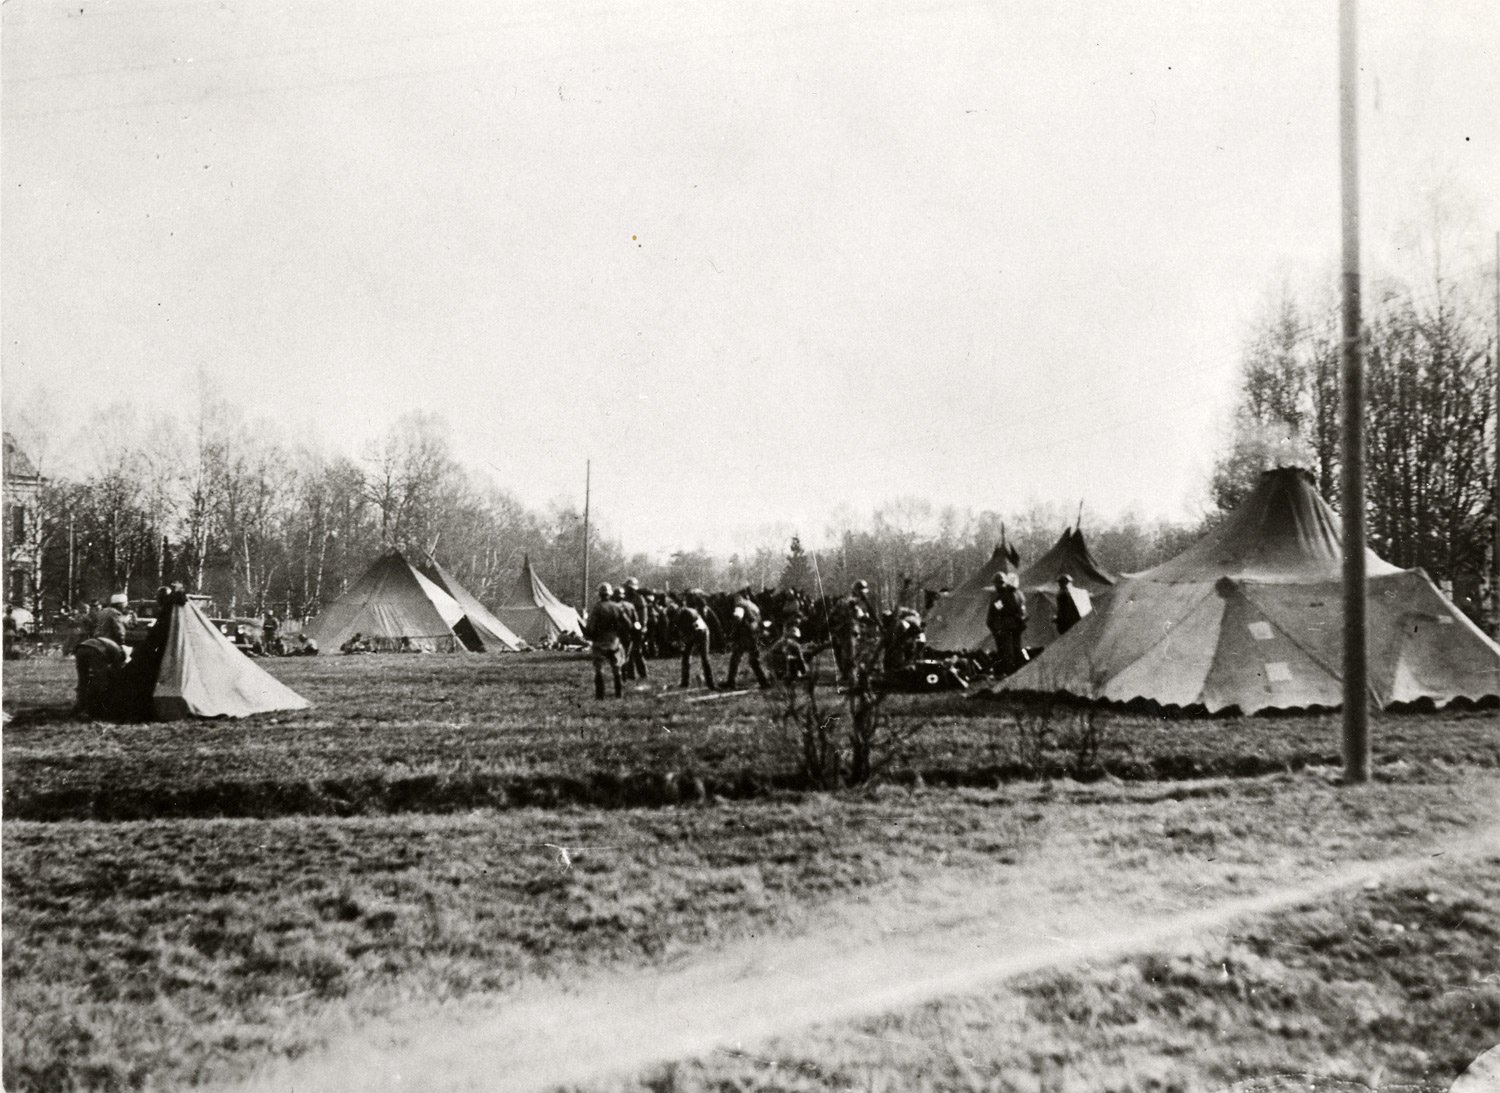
{"x": 1429, "y": 418}
{"x": 258, "y": 522}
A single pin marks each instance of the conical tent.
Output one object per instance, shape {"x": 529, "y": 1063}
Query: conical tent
{"x": 956, "y": 623}
{"x": 1070, "y": 555}
{"x": 395, "y": 608}
{"x": 1250, "y": 618}
{"x": 203, "y": 674}
{"x": 534, "y": 614}
{"x": 492, "y": 633}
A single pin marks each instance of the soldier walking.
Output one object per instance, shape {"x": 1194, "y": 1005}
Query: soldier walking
{"x": 635, "y": 653}
{"x": 744, "y": 638}
{"x": 609, "y": 626}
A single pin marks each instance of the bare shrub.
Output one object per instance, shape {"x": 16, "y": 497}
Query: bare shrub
{"x": 850, "y": 743}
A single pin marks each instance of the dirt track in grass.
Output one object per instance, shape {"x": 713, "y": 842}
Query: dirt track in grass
{"x": 948, "y": 940}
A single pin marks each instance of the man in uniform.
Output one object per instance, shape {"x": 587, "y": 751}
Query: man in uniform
{"x": 610, "y": 625}
{"x": 1006, "y": 620}
{"x": 1067, "y": 606}
{"x": 849, "y": 626}
{"x": 691, "y": 629}
{"x": 744, "y": 638}
{"x": 100, "y": 655}
{"x": 635, "y": 652}
{"x": 904, "y": 640}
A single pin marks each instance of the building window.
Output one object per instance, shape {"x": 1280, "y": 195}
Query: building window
{"x": 18, "y": 523}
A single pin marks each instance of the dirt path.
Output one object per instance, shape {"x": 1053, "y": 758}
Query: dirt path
{"x": 947, "y": 940}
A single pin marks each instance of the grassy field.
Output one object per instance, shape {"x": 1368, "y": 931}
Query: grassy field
{"x": 397, "y": 848}
{"x": 391, "y": 734}
{"x": 1395, "y": 988}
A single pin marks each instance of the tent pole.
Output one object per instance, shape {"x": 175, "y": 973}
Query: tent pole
{"x": 1356, "y": 682}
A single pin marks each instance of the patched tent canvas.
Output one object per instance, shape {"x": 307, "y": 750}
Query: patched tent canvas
{"x": 491, "y": 632}
{"x": 1250, "y": 618}
{"x": 1070, "y": 555}
{"x": 534, "y": 614}
{"x": 395, "y": 608}
{"x": 204, "y": 674}
{"x": 956, "y": 623}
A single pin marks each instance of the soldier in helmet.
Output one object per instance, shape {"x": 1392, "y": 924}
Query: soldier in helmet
{"x": 744, "y": 638}
{"x": 1006, "y": 620}
{"x": 635, "y": 652}
{"x": 609, "y": 626}
{"x": 1067, "y": 606}
{"x": 691, "y": 628}
{"x": 850, "y": 624}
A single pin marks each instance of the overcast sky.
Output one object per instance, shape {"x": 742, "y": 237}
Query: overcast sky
{"x": 757, "y": 261}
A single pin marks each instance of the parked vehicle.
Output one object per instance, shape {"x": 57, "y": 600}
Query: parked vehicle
{"x": 248, "y": 634}
{"x": 143, "y": 614}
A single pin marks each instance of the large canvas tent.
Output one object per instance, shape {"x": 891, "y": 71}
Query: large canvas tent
{"x": 204, "y": 674}
{"x": 1250, "y": 618}
{"x": 534, "y": 614}
{"x": 1070, "y": 555}
{"x": 491, "y": 632}
{"x": 395, "y": 608}
{"x": 956, "y": 623}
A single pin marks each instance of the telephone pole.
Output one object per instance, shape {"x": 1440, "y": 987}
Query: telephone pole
{"x": 1495, "y": 455}
{"x": 588, "y": 470}
{"x": 1356, "y": 679}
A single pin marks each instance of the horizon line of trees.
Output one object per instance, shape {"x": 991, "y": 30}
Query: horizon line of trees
{"x": 236, "y": 512}
{"x": 255, "y": 521}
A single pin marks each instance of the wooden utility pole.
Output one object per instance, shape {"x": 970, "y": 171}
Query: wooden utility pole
{"x": 1495, "y": 455}
{"x": 1356, "y": 670}
{"x": 588, "y": 471}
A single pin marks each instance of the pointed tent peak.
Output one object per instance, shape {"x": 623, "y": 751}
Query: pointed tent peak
{"x": 1070, "y": 555}
{"x": 1283, "y": 531}
{"x": 1003, "y": 559}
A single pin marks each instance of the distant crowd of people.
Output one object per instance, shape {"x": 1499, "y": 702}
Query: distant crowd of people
{"x": 777, "y": 632}
{"x": 774, "y": 633}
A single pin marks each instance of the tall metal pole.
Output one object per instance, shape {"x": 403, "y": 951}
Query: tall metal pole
{"x": 1495, "y": 455}
{"x": 1356, "y": 677}
{"x": 588, "y": 470}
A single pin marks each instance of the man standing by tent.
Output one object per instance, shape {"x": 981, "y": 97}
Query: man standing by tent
{"x": 608, "y": 628}
{"x": 1068, "y": 612}
{"x": 635, "y": 652}
{"x": 1006, "y": 620}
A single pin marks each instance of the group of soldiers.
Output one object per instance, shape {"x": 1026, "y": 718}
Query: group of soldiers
{"x": 782, "y": 631}
{"x": 629, "y": 624}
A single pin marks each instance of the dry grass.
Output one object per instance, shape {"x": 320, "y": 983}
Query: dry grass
{"x": 391, "y": 734}
{"x": 151, "y": 953}
{"x": 1393, "y": 989}
{"x": 162, "y": 952}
